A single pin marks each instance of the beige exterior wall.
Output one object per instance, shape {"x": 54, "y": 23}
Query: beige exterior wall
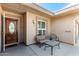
{"x": 31, "y": 28}
{"x": 24, "y": 28}
{"x": 64, "y": 27}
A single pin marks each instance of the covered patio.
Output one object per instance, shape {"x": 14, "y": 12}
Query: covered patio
{"x": 31, "y": 21}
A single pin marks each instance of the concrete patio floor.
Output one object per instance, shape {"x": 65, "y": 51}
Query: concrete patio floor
{"x": 34, "y": 50}
{"x": 18, "y": 50}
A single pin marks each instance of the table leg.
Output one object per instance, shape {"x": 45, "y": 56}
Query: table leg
{"x": 45, "y": 48}
{"x": 51, "y": 50}
{"x": 59, "y": 45}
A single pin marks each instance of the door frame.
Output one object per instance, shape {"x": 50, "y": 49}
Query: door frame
{"x": 18, "y": 22}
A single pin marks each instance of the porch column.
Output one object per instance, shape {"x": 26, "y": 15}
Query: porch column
{"x": 0, "y": 27}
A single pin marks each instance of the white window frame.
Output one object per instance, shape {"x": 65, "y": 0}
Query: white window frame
{"x": 42, "y": 29}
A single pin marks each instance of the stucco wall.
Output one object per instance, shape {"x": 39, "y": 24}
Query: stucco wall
{"x": 31, "y": 28}
{"x": 64, "y": 28}
{"x": 24, "y": 27}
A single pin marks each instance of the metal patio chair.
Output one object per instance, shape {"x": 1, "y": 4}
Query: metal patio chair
{"x": 54, "y": 38}
{"x": 40, "y": 40}
{"x": 54, "y": 41}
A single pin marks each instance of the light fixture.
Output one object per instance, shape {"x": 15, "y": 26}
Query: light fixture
{"x": 33, "y": 22}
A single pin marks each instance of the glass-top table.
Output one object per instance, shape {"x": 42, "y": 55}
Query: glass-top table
{"x": 51, "y": 44}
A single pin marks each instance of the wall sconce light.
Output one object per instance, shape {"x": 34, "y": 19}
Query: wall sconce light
{"x": 33, "y": 22}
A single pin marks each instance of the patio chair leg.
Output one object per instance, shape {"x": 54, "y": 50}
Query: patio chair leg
{"x": 39, "y": 45}
{"x": 51, "y": 50}
{"x": 45, "y": 48}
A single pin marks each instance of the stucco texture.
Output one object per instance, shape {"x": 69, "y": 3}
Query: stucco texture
{"x": 64, "y": 27}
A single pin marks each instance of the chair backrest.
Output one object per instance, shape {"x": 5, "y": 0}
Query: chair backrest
{"x": 54, "y": 37}
{"x": 38, "y": 38}
{"x": 47, "y": 37}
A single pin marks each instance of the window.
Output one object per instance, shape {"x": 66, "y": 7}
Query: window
{"x": 11, "y": 27}
{"x": 41, "y": 27}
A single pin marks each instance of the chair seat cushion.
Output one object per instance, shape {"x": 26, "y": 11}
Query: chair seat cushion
{"x": 42, "y": 41}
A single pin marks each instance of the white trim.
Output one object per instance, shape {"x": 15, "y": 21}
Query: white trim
{"x": 66, "y": 10}
{"x": 76, "y": 24}
{"x": 41, "y": 28}
{"x": 12, "y": 17}
{"x": 41, "y": 21}
{"x": 3, "y": 31}
{"x": 11, "y": 44}
{"x": 74, "y": 32}
{"x": 39, "y": 8}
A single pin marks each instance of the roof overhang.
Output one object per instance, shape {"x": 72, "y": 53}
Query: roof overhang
{"x": 69, "y": 10}
{"x": 24, "y": 7}
{"x": 37, "y": 7}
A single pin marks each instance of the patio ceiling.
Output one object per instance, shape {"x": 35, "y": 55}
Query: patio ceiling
{"x": 17, "y": 8}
